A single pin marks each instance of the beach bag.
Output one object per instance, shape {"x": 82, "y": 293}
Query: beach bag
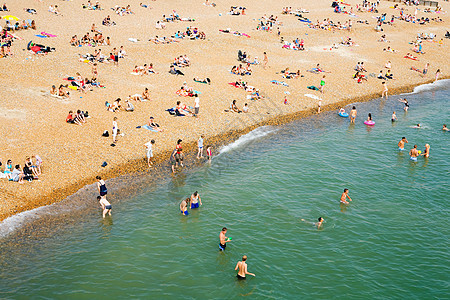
{"x": 105, "y": 133}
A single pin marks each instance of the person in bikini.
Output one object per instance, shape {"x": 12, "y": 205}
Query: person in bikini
{"x": 242, "y": 267}
{"x": 353, "y": 114}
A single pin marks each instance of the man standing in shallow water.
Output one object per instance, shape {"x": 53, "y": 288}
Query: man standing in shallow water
{"x": 242, "y": 266}
{"x": 401, "y": 144}
{"x": 413, "y": 153}
{"x": 223, "y": 240}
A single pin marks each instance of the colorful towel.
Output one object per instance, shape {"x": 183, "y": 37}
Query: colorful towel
{"x": 148, "y": 128}
{"x": 311, "y": 87}
{"x": 279, "y": 82}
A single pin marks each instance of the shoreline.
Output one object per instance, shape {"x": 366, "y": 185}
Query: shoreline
{"x": 161, "y": 167}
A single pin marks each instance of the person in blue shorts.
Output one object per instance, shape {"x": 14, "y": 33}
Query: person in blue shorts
{"x": 196, "y": 201}
{"x": 184, "y": 206}
{"x": 401, "y": 144}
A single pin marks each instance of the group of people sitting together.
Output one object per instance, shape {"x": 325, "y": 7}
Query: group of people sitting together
{"x": 237, "y": 10}
{"x": 91, "y": 6}
{"x": 190, "y": 33}
{"x": 327, "y": 24}
{"x": 164, "y": 40}
{"x": 96, "y": 39}
{"x": 82, "y": 84}
{"x": 297, "y": 12}
{"x": 242, "y": 70}
{"x": 122, "y": 10}
{"x": 54, "y": 10}
{"x": 367, "y": 6}
{"x": 25, "y": 24}
{"x": 60, "y": 92}
{"x": 182, "y": 61}
{"x": 287, "y": 74}
{"x": 342, "y": 9}
{"x": 174, "y": 17}
{"x": 235, "y": 108}
{"x": 245, "y": 58}
{"x": 31, "y": 171}
{"x": 78, "y": 118}
{"x": 116, "y": 105}
{"x": 144, "y": 70}
{"x": 267, "y": 23}
{"x": 295, "y": 45}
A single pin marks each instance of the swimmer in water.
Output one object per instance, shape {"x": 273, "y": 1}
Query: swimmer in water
{"x": 417, "y": 126}
{"x": 344, "y": 196}
{"x": 342, "y": 110}
{"x": 413, "y": 153}
{"x": 369, "y": 117}
{"x": 353, "y": 115}
{"x": 401, "y": 144}
{"x": 196, "y": 201}
{"x": 426, "y": 152}
{"x": 444, "y": 127}
{"x": 106, "y": 206}
{"x": 318, "y": 224}
{"x": 184, "y": 206}
{"x": 394, "y": 117}
{"x": 242, "y": 267}
{"x": 223, "y": 240}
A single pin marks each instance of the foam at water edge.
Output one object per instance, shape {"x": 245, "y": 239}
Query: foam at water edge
{"x": 246, "y": 138}
{"x": 14, "y": 222}
{"x": 429, "y": 86}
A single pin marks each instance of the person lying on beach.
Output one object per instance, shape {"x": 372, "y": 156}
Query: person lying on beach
{"x": 389, "y": 49}
{"x": 205, "y": 80}
{"x": 175, "y": 71}
{"x": 286, "y": 73}
{"x": 182, "y": 110}
{"x": 410, "y": 56}
{"x": 154, "y": 125}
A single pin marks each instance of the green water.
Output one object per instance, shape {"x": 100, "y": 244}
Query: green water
{"x": 390, "y": 242}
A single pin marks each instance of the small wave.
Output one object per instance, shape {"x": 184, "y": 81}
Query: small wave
{"x": 246, "y": 138}
{"x": 9, "y": 225}
{"x": 429, "y": 86}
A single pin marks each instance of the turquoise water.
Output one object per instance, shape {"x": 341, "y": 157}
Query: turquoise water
{"x": 390, "y": 242}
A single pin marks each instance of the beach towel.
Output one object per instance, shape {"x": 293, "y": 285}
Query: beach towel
{"x": 147, "y": 127}
{"x": 304, "y": 20}
{"x": 279, "y": 82}
{"x": 41, "y": 36}
{"x": 48, "y": 34}
{"x": 415, "y": 58}
{"x": 311, "y": 87}
{"x": 234, "y": 84}
{"x": 313, "y": 96}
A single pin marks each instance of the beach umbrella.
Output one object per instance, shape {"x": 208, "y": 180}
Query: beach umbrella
{"x": 10, "y": 18}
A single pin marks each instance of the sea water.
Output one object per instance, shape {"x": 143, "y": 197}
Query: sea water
{"x": 392, "y": 241}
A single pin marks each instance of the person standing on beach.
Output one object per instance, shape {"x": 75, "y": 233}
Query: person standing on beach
{"x": 114, "y": 130}
{"x": 401, "y": 144}
{"x": 223, "y": 240}
{"x": 436, "y": 77}
{"x": 385, "y": 90}
{"x": 344, "y": 196}
{"x": 320, "y": 106}
{"x": 101, "y": 186}
{"x": 106, "y": 206}
{"x": 196, "y": 106}
{"x": 242, "y": 267}
{"x": 208, "y": 153}
{"x": 265, "y": 60}
{"x": 200, "y": 147}
{"x": 353, "y": 114}
{"x": 413, "y": 153}
{"x": 322, "y": 84}
{"x": 179, "y": 153}
{"x": 149, "y": 145}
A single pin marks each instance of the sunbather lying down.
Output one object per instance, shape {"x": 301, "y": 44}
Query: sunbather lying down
{"x": 206, "y": 80}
